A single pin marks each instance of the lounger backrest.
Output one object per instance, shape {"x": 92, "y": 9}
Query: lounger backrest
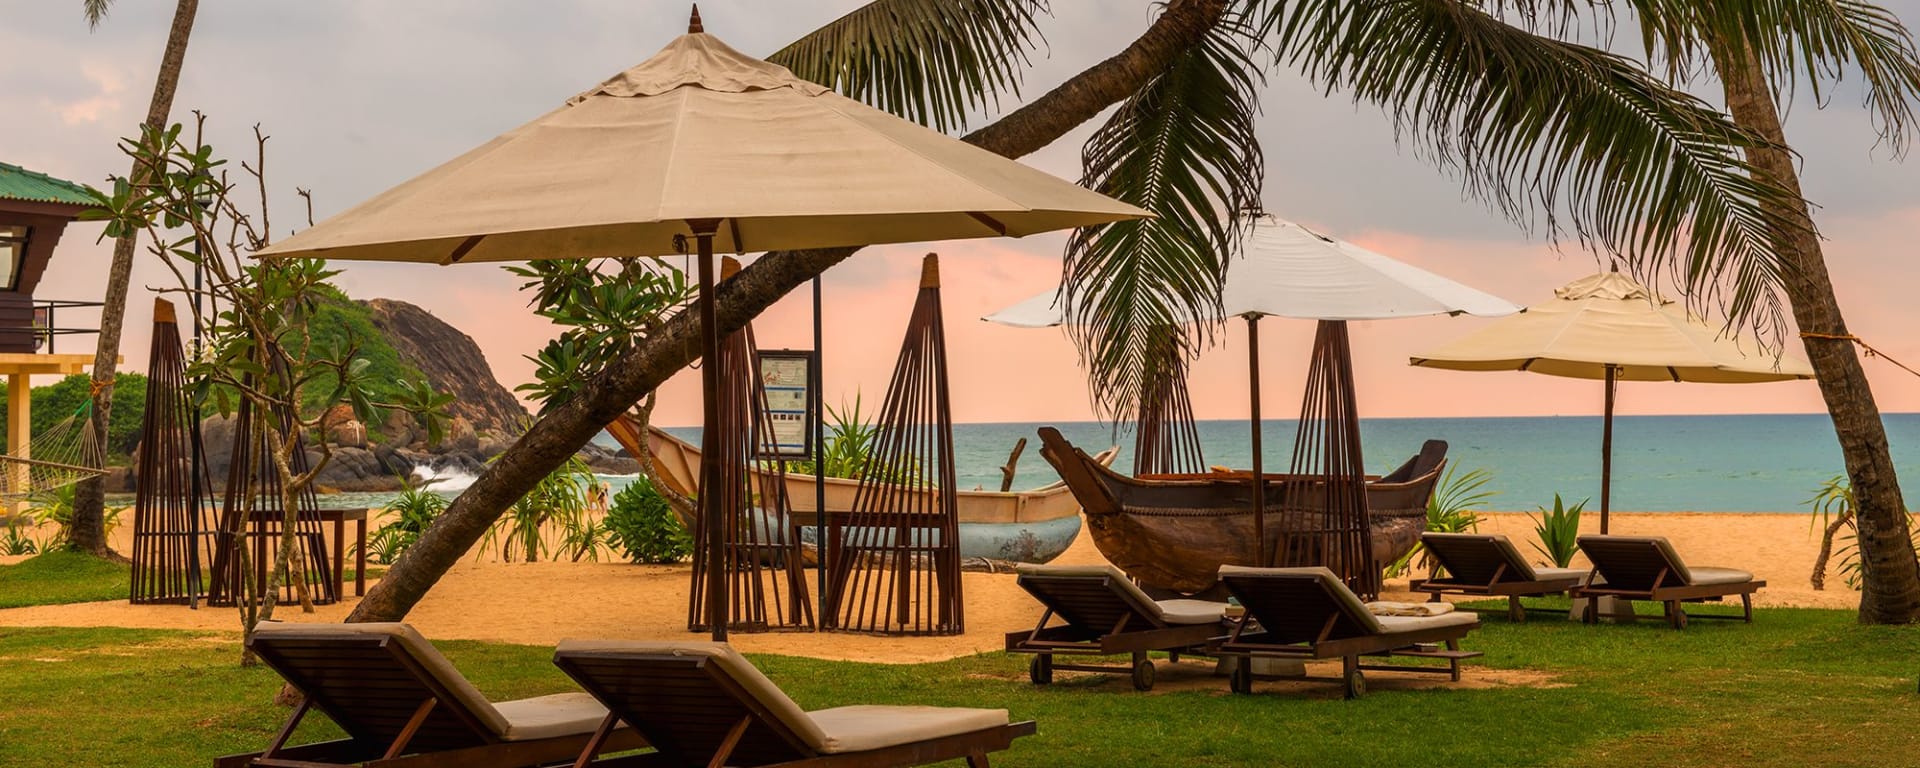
{"x": 1633, "y": 562}
{"x": 1293, "y": 605}
{"x": 1474, "y": 558}
{"x": 370, "y": 678}
{"x": 685, "y": 697}
{"x": 1092, "y": 599}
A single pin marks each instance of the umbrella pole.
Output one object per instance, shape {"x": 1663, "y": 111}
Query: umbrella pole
{"x": 710, "y": 474}
{"x": 1606, "y": 453}
{"x": 1259, "y": 474}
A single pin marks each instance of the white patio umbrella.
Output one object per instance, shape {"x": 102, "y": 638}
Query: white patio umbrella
{"x": 1611, "y": 328}
{"x": 1286, "y": 270}
{"x": 703, "y": 142}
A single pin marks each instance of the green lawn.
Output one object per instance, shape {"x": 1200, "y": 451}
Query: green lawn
{"x": 62, "y": 577}
{"x": 1801, "y": 687}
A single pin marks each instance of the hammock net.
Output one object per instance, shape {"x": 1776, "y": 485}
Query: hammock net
{"x": 66, "y": 453}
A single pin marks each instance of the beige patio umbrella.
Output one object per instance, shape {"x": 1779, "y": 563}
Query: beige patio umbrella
{"x": 1611, "y": 328}
{"x": 702, "y": 142}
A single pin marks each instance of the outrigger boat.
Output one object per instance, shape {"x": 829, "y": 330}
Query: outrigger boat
{"x": 1032, "y": 526}
{"x": 1173, "y": 532}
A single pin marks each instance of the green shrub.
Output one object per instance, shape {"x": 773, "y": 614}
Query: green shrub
{"x": 1559, "y": 531}
{"x": 413, "y": 510}
{"x": 16, "y": 543}
{"x": 643, "y": 526}
{"x": 1449, "y": 510}
{"x": 54, "y": 506}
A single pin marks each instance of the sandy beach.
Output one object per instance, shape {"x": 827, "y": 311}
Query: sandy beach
{"x": 542, "y": 603}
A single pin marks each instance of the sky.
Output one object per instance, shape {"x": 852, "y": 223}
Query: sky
{"x": 361, "y": 95}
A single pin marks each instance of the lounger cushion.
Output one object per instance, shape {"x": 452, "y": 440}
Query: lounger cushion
{"x": 1176, "y": 611}
{"x": 1542, "y": 573}
{"x": 1184, "y": 611}
{"x": 731, "y": 663}
{"x": 1395, "y": 624}
{"x": 429, "y": 658}
{"x": 545, "y": 717}
{"x": 1349, "y": 601}
{"x": 1707, "y": 576}
{"x": 863, "y": 727}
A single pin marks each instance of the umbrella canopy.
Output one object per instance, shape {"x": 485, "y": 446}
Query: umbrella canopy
{"x": 1608, "y": 321}
{"x": 1286, "y": 270}
{"x": 1611, "y": 328}
{"x": 702, "y": 131}
{"x": 696, "y": 148}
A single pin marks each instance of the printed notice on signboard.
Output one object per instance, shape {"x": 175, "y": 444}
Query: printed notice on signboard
{"x": 787, "y": 376}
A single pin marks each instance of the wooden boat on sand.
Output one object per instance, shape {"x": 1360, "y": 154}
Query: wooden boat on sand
{"x": 1173, "y": 532}
{"x": 1032, "y": 526}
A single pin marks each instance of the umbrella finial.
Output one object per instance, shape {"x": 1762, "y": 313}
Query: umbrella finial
{"x": 693, "y": 24}
{"x": 930, "y": 271}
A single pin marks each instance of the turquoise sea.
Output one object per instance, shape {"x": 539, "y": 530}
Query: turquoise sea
{"x": 1746, "y": 463}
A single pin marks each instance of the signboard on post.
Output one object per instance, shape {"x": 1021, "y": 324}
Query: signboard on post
{"x": 787, "y": 375}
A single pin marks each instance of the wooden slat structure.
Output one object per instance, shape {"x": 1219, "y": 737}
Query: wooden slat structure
{"x": 760, "y": 557}
{"x": 170, "y": 529}
{"x": 253, "y": 516}
{"x": 1324, "y": 517}
{"x": 894, "y": 560}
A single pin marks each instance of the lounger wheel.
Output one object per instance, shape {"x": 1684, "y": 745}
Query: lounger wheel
{"x": 1356, "y": 683}
{"x": 1143, "y": 675}
{"x": 1241, "y": 681}
{"x": 1040, "y": 670}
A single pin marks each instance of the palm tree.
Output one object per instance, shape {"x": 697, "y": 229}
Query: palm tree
{"x": 1542, "y": 129}
{"x": 89, "y": 521}
{"x": 1753, "y": 52}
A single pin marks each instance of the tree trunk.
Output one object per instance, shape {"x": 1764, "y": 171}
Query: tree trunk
{"x": 89, "y": 502}
{"x": 559, "y": 434}
{"x": 1890, "y": 576}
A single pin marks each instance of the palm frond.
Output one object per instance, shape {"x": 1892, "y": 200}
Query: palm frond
{"x": 95, "y": 11}
{"x": 1546, "y": 130}
{"x": 930, "y": 61}
{"x": 1815, "y": 40}
{"x": 1184, "y": 148}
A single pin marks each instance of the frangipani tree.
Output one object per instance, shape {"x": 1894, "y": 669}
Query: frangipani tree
{"x": 1543, "y": 129}
{"x": 199, "y": 224}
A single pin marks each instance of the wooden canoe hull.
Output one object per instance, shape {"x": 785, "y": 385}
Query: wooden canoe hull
{"x": 1032, "y": 526}
{"x": 1173, "y": 532}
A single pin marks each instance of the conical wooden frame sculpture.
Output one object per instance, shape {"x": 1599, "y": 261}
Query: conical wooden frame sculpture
{"x": 1323, "y": 503}
{"x": 171, "y": 491}
{"x": 253, "y": 517}
{"x": 760, "y": 556}
{"x": 894, "y": 560}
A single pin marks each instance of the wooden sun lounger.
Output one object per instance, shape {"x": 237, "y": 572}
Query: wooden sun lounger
{"x": 1489, "y": 565}
{"x": 403, "y": 705}
{"x": 1648, "y": 568}
{"x": 1307, "y": 613}
{"x": 1106, "y": 615}
{"x": 703, "y": 704}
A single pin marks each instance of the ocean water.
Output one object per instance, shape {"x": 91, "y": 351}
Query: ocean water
{"x": 1746, "y": 463}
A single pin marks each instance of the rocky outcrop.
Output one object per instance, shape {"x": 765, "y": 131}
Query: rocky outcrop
{"x": 454, "y": 364}
{"x": 484, "y": 416}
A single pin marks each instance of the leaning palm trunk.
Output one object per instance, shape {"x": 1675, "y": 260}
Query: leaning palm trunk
{"x": 89, "y": 504}
{"x": 1890, "y": 576}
